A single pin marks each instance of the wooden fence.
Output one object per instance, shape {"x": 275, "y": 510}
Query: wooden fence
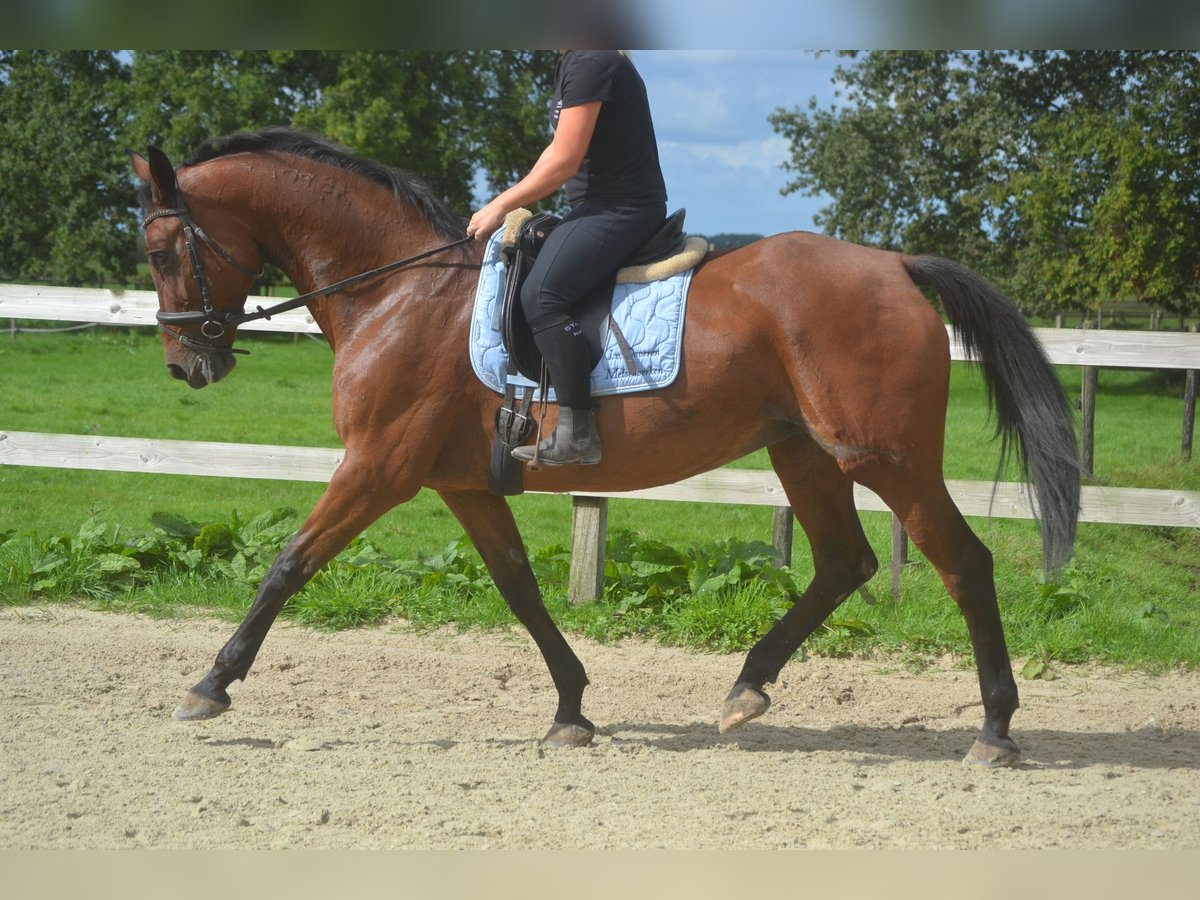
{"x": 1089, "y": 348}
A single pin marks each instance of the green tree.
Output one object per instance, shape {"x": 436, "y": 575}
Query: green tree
{"x": 1122, "y": 174}
{"x": 902, "y": 154}
{"x": 451, "y": 117}
{"x": 64, "y": 188}
{"x": 440, "y": 115}
{"x": 178, "y": 98}
{"x": 510, "y": 115}
{"x": 1069, "y": 177}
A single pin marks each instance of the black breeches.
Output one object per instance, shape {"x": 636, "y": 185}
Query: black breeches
{"x": 581, "y": 256}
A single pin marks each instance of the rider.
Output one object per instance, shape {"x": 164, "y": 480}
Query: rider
{"x": 604, "y": 151}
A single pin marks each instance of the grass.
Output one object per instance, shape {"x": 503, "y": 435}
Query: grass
{"x": 1129, "y": 598}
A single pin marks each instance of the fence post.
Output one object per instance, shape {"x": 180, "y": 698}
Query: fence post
{"x": 1087, "y": 438}
{"x": 1189, "y": 410}
{"x": 1087, "y": 423}
{"x": 899, "y": 553}
{"x": 781, "y": 535}
{"x": 589, "y": 527}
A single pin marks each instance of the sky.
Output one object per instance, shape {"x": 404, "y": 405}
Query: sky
{"x": 720, "y": 156}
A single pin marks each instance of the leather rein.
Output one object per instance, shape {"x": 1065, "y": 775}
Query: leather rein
{"x": 213, "y": 322}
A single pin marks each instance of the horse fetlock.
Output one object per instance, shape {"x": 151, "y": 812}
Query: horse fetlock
{"x": 570, "y": 687}
{"x": 1000, "y": 701}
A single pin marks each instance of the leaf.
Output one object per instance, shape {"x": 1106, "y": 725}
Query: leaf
{"x": 49, "y": 565}
{"x": 269, "y": 521}
{"x": 190, "y": 559}
{"x": 1033, "y": 668}
{"x": 1048, "y": 590}
{"x": 214, "y": 539}
{"x": 176, "y": 526}
{"x": 1153, "y": 611}
{"x": 1039, "y": 668}
{"x": 90, "y": 533}
{"x": 631, "y": 601}
{"x": 714, "y": 584}
{"x": 658, "y": 553}
{"x": 115, "y": 564}
{"x": 858, "y": 626}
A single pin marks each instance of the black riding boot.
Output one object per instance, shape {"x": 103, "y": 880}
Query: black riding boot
{"x": 575, "y": 440}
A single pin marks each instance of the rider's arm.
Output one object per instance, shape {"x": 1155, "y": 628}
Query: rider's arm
{"x": 558, "y": 162}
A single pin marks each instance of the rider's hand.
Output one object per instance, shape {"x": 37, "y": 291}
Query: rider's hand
{"x": 485, "y": 221}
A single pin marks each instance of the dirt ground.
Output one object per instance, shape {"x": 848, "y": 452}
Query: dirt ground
{"x": 386, "y": 738}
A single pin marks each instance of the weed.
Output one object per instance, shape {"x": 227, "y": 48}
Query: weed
{"x": 1039, "y": 667}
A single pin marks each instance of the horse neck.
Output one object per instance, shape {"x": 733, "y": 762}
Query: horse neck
{"x": 321, "y": 225}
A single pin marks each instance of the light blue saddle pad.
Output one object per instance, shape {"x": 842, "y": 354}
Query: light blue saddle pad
{"x": 649, "y": 315}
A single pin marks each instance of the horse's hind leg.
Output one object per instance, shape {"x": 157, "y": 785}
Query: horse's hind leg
{"x": 822, "y": 498}
{"x": 937, "y": 527}
{"x": 489, "y": 524}
{"x": 352, "y": 501}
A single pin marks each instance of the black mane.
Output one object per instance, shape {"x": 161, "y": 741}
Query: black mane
{"x": 406, "y": 187}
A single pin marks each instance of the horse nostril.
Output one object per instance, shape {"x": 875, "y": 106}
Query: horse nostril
{"x": 176, "y": 371}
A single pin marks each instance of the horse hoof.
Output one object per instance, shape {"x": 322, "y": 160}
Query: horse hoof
{"x": 568, "y": 735}
{"x": 1002, "y": 753}
{"x": 743, "y": 704}
{"x": 195, "y": 706}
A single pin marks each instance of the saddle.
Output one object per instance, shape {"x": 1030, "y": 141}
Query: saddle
{"x": 528, "y": 234}
{"x": 668, "y": 252}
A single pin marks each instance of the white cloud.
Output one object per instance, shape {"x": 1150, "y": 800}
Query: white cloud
{"x": 728, "y": 95}
{"x": 764, "y": 156}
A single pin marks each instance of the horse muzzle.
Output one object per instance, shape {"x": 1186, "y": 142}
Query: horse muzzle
{"x": 199, "y": 369}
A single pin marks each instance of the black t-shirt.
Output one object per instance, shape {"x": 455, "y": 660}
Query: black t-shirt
{"x": 621, "y": 163}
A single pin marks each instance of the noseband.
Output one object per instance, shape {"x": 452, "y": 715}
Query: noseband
{"x": 213, "y": 323}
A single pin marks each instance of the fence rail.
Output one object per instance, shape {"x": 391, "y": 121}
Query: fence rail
{"x": 1064, "y": 346}
{"x": 108, "y": 307}
{"x": 1088, "y": 348}
{"x": 1005, "y": 500}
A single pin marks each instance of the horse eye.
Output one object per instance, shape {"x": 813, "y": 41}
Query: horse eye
{"x": 159, "y": 259}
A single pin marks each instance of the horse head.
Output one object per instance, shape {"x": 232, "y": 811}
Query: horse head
{"x": 201, "y": 286}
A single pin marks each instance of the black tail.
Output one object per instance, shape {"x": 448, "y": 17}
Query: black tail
{"x": 1033, "y": 416}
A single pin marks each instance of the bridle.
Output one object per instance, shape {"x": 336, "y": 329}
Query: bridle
{"x": 213, "y": 322}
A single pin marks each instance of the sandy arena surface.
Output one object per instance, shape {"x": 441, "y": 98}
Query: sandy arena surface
{"x": 387, "y": 738}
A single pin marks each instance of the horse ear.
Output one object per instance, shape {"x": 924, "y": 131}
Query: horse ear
{"x": 162, "y": 178}
{"x": 141, "y": 168}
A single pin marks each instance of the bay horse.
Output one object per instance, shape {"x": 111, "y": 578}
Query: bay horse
{"x": 825, "y": 352}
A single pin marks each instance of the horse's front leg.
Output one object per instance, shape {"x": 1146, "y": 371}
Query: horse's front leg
{"x": 353, "y": 500}
{"x": 489, "y": 524}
